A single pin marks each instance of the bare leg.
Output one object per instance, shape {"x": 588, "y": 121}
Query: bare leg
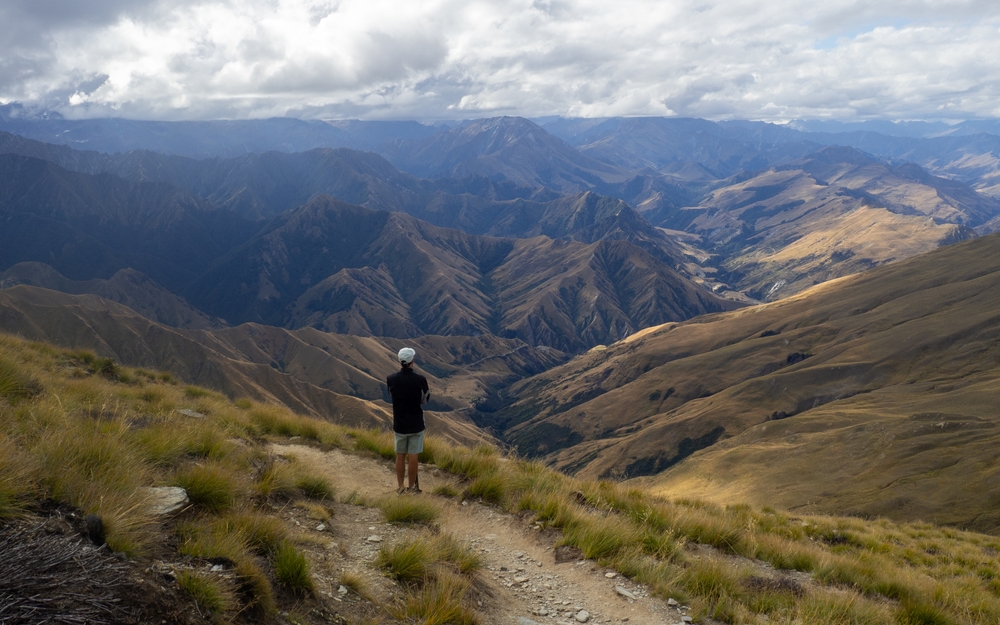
{"x": 400, "y": 469}
{"x": 413, "y": 470}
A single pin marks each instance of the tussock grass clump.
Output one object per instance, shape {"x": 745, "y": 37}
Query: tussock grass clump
{"x": 600, "y": 538}
{"x": 99, "y": 365}
{"x": 432, "y": 446}
{"x": 276, "y": 420}
{"x": 200, "y": 540}
{"x": 438, "y": 602}
{"x": 315, "y": 487}
{"x": 94, "y": 466}
{"x": 354, "y": 498}
{"x": 196, "y": 391}
{"x": 233, "y": 536}
{"x": 292, "y": 570}
{"x": 379, "y": 442}
{"x": 275, "y": 478}
{"x": 448, "y": 549}
{"x": 405, "y": 561}
{"x": 445, "y": 490}
{"x": 16, "y": 488}
{"x": 353, "y": 582}
{"x": 210, "y": 596}
{"x": 210, "y": 486}
{"x": 416, "y": 559}
{"x": 471, "y": 464}
{"x": 435, "y": 570}
{"x": 168, "y": 440}
{"x": 261, "y": 532}
{"x": 15, "y": 386}
{"x": 490, "y": 487}
{"x": 254, "y": 589}
{"x": 409, "y": 509}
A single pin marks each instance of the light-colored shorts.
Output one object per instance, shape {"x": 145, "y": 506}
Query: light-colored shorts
{"x": 409, "y": 443}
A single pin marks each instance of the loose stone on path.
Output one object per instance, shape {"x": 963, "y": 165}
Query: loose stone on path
{"x": 621, "y": 590}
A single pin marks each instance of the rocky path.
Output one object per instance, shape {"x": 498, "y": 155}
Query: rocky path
{"x": 524, "y": 579}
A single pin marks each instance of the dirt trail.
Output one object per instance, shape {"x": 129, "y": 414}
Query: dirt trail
{"x": 520, "y": 578}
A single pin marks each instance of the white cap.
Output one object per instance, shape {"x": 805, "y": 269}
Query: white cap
{"x": 406, "y": 355}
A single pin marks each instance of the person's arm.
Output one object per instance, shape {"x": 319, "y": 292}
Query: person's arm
{"x": 425, "y": 394}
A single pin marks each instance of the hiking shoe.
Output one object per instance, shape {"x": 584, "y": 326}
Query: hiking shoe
{"x": 401, "y": 490}
{"x": 414, "y": 489}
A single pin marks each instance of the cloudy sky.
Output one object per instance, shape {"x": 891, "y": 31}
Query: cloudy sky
{"x": 450, "y": 59}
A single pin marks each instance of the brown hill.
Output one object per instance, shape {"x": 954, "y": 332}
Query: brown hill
{"x": 873, "y": 394}
{"x": 836, "y": 212}
{"x": 336, "y": 266}
{"x": 331, "y": 376}
{"x": 127, "y": 286}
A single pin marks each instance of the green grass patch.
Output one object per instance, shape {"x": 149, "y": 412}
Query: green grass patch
{"x": 209, "y": 486}
{"x": 490, "y": 487}
{"x": 380, "y": 442}
{"x": 315, "y": 487}
{"x": 292, "y": 569}
{"x": 15, "y": 386}
{"x": 211, "y": 598}
{"x": 406, "y": 561}
{"x": 446, "y": 490}
{"x": 599, "y": 538}
{"x": 254, "y": 590}
{"x": 439, "y": 602}
{"x": 409, "y": 509}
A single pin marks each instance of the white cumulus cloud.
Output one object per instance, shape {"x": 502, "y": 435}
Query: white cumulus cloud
{"x": 177, "y": 59}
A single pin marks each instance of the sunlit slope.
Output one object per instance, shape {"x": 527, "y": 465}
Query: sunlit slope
{"x": 335, "y": 377}
{"x": 834, "y": 213}
{"x": 877, "y": 393}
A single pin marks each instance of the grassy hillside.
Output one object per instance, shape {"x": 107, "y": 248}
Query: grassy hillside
{"x": 872, "y": 395}
{"x": 311, "y": 372}
{"x": 81, "y": 436}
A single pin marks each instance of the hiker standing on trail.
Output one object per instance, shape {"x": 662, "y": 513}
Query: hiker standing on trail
{"x": 408, "y": 390}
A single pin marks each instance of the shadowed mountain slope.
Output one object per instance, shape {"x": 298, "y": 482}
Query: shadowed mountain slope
{"x": 874, "y": 394}
{"x": 92, "y": 226}
{"x": 127, "y": 286}
{"x": 330, "y": 265}
{"x": 515, "y": 150}
{"x": 260, "y": 186}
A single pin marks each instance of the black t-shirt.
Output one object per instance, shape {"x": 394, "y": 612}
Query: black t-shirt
{"x": 408, "y": 390}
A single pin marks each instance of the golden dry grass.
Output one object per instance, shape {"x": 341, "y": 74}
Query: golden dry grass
{"x": 93, "y": 441}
